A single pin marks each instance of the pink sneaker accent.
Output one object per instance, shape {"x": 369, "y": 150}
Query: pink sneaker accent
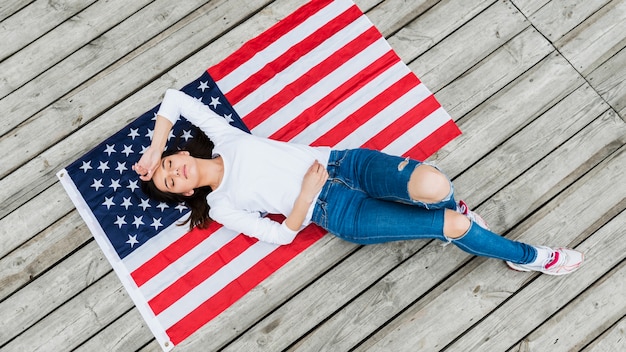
{"x": 462, "y": 208}
{"x": 555, "y": 259}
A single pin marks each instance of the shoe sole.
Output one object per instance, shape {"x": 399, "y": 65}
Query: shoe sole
{"x": 514, "y": 267}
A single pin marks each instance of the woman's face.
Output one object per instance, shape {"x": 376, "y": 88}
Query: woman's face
{"x": 177, "y": 173}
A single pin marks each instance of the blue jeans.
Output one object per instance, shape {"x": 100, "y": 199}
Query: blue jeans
{"x": 366, "y": 201}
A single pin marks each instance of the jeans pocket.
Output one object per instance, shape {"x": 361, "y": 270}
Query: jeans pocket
{"x": 320, "y": 214}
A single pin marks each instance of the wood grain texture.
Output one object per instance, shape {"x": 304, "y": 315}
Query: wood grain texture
{"x": 537, "y": 87}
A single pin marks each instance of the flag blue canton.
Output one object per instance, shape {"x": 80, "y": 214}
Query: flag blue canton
{"x": 112, "y": 190}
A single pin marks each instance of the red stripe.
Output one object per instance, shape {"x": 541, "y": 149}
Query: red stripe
{"x": 294, "y": 53}
{"x": 238, "y": 288}
{"x": 200, "y": 273}
{"x": 367, "y": 111}
{"x": 429, "y": 145}
{"x": 334, "y": 98}
{"x": 403, "y": 123}
{"x": 314, "y": 75}
{"x": 173, "y": 252}
{"x": 253, "y": 46}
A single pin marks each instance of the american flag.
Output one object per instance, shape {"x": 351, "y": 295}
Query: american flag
{"x": 324, "y": 75}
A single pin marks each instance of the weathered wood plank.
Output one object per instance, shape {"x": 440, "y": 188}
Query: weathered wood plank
{"x": 552, "y": 174}
{"x": 128, "y": 333}
{"x": 391, "y": 15}
{"x": 488, "y": 77}
{"x": 33, "y": 21}
{"x": 52, "y": 47}
{"x": 469, "y": 45}
{"x": 581, "y": 321}
{"x": 42, "y": 252}
{"x": 533, "y": 92}
{"x": 434, "y": 25}
{"x": 73, "y": 323}
{"x": 528, "y": 7}
{"x": 615, "y": 336}
{"x": 610, "y": 80}
{"x": 347, "y": 327}
{"x": 92, "y": 59}
{"x": 533, "y": 143}
{"x": 596, "y": 39}
{"x": 558, "y": 17}
{"x": 509, "y": 323}
{"x": 10, "y": 7}
{"x": 434, "y": 324}
{"x": 153, "y": 346}
{"x": 31, "y": 218}
{"x": 27, "y": 306}
{"x": 328, "y": 294}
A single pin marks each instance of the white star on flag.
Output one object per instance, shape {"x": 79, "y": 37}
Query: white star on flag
{"x": 97, "y": 184}
{"x": 215, "y": 101}
{"x": 86, "y": 166}
{"x": 203, "y": 86}
{"x": 132, "y": 240}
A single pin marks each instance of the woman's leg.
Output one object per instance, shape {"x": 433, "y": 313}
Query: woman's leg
{"x": 477, "y": 240}
{"x": 371, "y": 198}
{"x": 429, "y": 185}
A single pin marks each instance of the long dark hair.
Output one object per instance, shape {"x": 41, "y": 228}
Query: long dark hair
{"x": 198, "y": 147}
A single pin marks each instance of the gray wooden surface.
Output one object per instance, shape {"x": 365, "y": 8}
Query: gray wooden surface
{"x": 538, "y": 88}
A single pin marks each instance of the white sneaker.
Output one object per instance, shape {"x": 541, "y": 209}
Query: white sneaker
{"x": 461, "y": 207}
{"x": 562, "y": 261}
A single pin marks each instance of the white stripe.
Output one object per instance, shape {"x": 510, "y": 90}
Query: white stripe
{"x": 373, "y": 88}
{"x": 418, "y": 132}
{"x": 215, "y": 283}
{"x": 302, "y": 66}
{"x": 187, "y": 262}
{"x": 321, "y": 89}
{"x": 282, "y": 44}
{"x": 156, "y": 244}
{"x": 385, "y": 117}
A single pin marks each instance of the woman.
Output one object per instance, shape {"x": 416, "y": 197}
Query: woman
{"x": 359, "y": 195}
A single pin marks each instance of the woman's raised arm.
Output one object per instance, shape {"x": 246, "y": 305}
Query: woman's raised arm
{"x": 150, "y": 159}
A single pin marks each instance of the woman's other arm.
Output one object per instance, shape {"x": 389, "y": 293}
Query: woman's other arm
{"x": 312, "y": 184}
{"x": 267, "y": 230}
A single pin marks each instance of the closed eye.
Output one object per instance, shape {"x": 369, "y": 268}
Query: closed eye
{"x": 171, "y": 169}
{"x": 163, "y": 168}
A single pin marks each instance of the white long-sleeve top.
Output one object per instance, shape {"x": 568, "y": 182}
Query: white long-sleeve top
{"x": 260, "y": 175}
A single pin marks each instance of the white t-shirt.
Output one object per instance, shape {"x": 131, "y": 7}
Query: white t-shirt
{"x": 260, "y": 175}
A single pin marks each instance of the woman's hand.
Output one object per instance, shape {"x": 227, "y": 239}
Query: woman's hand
{"x": 313, "y": 181}
{"x": 148, "y": 163}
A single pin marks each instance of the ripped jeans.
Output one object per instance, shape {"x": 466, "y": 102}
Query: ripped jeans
{"x": 366, "y": 200}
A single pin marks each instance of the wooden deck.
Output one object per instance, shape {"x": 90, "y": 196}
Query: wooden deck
{"x": 537, "y": 86}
